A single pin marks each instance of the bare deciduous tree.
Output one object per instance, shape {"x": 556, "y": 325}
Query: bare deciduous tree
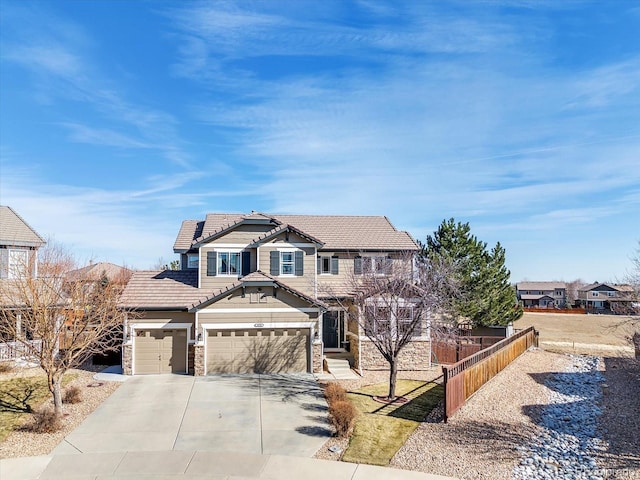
{"x": 394, "y": 299}
{"x": 71, "y": 318}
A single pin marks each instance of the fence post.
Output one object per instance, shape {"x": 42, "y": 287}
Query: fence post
{"x": 445, "y": 374}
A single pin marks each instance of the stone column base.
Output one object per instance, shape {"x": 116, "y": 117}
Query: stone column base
{"x": 127, "y": 359}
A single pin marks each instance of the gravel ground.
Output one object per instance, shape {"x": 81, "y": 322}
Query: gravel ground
{"x": 25, "y": 444}
{"x": 502, "y": 424}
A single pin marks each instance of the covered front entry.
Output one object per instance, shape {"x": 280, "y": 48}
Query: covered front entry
{"x": 282, "y": 350}
{"x": 333, "y": 329}
{"x": 160, "y": 351}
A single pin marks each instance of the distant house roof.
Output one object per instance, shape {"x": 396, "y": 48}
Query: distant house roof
{"x": 96, "y": 270}
{"x": 540, "y": 285}
{"x": 14, "y": 231}
{"x": 618, "y": 287}
{"x": 336, "y": 232}
{"x": 534, "y": 297}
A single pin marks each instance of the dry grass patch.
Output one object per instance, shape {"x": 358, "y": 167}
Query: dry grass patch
{"x": 381, "y": 429}
{"x": 19, "y": 398}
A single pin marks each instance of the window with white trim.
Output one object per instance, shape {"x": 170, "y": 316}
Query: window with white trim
{"x": 287, "y": 263}
{"x": 229, "y": 263}
{"x": 325, "y": 265}
{"x": 594, "y": 294}
{"x": 611, "y": 294}
{"x": 192, "y": 260}
{"x": 18, "y": 263}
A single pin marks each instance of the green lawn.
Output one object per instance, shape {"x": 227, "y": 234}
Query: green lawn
{"x": 380, "y": 429}
{"x": 19, "y": 394}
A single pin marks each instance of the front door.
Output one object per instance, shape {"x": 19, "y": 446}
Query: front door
{"x": 332, "y": 329}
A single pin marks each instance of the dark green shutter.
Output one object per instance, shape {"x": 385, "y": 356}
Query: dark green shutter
{"x": 299, "y": 263}
{"x": 212, "y": 267}
{"x": 246, "y": 263}
{"x": 357, "y": 265}
{"x": 334, "y": 265}
{"x": 319, "y": 270}
{"x": 274, "y": 257}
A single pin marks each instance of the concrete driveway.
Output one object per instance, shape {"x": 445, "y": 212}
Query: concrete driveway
{"x": 258, "y": 414}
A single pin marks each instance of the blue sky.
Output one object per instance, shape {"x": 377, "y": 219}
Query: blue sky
{"x": 120, "y": 119}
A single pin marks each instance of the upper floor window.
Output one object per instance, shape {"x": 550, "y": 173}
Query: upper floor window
{"x": 328, "y": 265}
{"x": 227, "y": 263}
{"x": 611, "y": 294}
{"x": 192, "y": 260}
{"x": 286, "y": 262}
{"x": 18, "y": 263}
{"x": 378, "y": 265}
{"x": 594, "y": 294}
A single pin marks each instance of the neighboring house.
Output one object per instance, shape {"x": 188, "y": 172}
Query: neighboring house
{"x": 542, "y": 294}
{"x": 19, "y": 244}
{"x": 100, "y": 270}
{"x": 262, "y": 293}
{"x": 606, "y": 298}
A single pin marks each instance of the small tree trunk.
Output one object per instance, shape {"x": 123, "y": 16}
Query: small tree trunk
{"x": 56, "y": 391}
{"x": 393, "y": 373}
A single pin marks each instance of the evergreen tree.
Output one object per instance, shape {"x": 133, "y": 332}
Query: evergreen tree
{"x": 485, "y": 296}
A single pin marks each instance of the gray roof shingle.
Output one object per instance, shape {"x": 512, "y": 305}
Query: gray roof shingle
{"x": 14, "y": 231}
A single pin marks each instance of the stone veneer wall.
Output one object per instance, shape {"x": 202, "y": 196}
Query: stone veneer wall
{"x": 190, "y": 358}
{"x": 198, "y": 360}
{"x": 414, "y": 356}
{"x": 317, "y": 356}
{"x": 127, "y": 350}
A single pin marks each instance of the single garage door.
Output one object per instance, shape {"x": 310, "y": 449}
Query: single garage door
{"x": 258, "y": 351}
{"x": 160, "y": 351}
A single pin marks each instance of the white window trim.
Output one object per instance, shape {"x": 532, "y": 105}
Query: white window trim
{"x": 20, "y": 270}
{"x": 218, "y": 262}
{"x": 322, "y": 257}
{"x": 293, "y": 262}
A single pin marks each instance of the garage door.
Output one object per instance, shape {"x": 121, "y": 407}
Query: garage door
{"x": 258, "y": 351}
{"x": 160, "y": 351}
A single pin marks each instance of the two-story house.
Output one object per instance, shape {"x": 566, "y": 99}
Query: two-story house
{"x": 262, "y": 293}
{"x": 606, "y": 297}
{"x": 542, "y": 294}
{"x": 19, "y": 244}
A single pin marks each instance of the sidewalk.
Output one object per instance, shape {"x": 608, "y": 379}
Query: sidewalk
{"x": 195, "y": 465}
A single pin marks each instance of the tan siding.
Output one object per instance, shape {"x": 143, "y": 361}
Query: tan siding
{"x": 165, "y": 317}
{"x": 304, "y": 283}
{"x": 242, "y": 234}
{"x": 252, "y": 298}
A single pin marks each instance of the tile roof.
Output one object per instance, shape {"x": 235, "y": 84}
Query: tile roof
{"x": 177, "y": 289}
{"x": 534, "y": 297}
{"x": 254, "y": 277}
{"x": 540, "y": 285}
{"x": 14, "y": 231}
{"x": 283, "y": 228}
{"x": 165, "y": 289}
{"x": 337, "y": 232}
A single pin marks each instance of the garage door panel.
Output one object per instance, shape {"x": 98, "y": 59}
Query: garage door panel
{"x": 261, "y": 351}
{"x": 160, "y": 351}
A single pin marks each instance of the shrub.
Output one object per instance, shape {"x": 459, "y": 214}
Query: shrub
{"x": 334, "y": 393}
{"x": 342, "y": 414}
{"x": 5, "y": 367}
{"x": 45, "y": 421}
{"x": 72, "y": 394}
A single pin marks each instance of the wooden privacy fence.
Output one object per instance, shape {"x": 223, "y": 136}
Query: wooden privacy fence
{"x": 455, "y": 349}
{"x": 464, "y": 378}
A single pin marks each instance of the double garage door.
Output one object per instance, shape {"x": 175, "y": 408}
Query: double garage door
{"x": 258, "y": 351}
{"x": 160, "y": 351}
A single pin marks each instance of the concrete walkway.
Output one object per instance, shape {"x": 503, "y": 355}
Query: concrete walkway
{"x": 183, "y": 465}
